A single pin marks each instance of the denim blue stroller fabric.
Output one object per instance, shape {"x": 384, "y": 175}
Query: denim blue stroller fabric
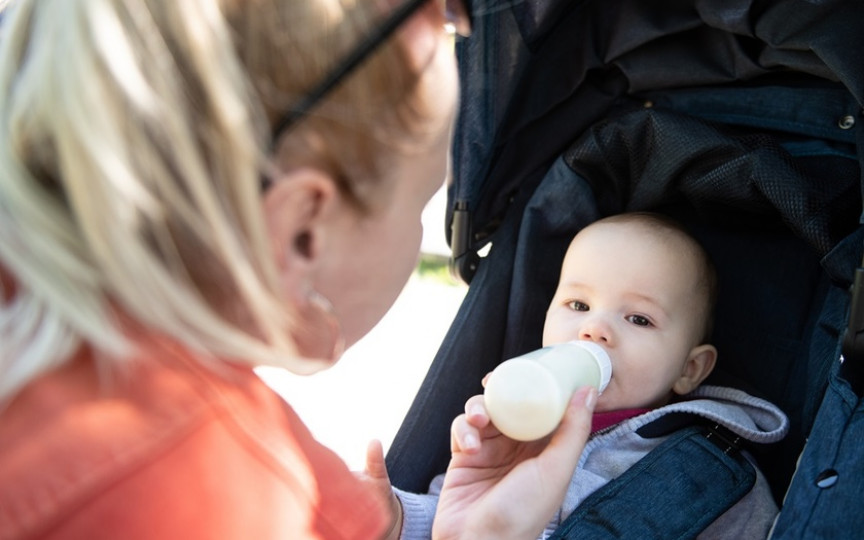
{"x": 742, "y": 119}
{"x": 701, "y": 481}
{"x": 826, "y": 493}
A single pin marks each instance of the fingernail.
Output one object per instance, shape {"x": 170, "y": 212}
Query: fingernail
{"x": 591, "y": 399}
{"x": 475, "y": 409}
{"x": 469, "y": 442}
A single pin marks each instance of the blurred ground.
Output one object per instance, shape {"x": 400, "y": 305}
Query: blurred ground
{"x": 366, "y": 395}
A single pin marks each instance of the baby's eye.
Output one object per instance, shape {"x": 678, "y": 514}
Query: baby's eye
{"x": 576, "y": 305}
{"x": 640, "y": 320}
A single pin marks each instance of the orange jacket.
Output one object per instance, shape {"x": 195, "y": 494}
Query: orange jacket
{"x": 167, "y": 449}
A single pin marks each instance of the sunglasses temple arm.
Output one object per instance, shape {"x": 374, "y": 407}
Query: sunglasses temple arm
{"x": 349, "y": 64}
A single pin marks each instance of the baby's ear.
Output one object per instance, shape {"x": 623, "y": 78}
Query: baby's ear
{"x": 699, "y": 365}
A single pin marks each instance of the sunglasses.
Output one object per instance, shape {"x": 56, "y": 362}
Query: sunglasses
{"x": 458, "y": 14}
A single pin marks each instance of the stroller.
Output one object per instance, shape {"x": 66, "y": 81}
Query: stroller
{"x": 742, "y": 119}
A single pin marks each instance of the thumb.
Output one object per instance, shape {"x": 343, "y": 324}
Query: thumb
{"x": 565, "y": 447}
{"x": 375, "y": 466}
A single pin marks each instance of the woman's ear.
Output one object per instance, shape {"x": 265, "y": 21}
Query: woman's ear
{"x": 299, "y": 208}
{"x": 700, "y": 362}
{"x": 296, "y": 207}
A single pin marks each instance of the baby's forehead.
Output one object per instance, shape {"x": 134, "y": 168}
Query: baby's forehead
{"x": 651, "y": 247}
{"x": 619, "y": 235}
{"x": 627, "y": 232}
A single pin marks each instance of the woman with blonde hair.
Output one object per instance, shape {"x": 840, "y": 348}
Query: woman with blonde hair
{"x": 190, "y": 189}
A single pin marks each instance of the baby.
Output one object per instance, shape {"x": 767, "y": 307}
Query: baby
{"x": 642, "y": 288}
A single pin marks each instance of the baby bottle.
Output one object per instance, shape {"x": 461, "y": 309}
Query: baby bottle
{"x": 526, "y": 396}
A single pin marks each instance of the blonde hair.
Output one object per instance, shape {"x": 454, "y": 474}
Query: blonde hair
{"x": 369, "y": 119}
{"x": 133, "y": 135}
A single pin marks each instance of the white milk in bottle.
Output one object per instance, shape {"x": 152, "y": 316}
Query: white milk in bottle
{"x": 526, "y": 396}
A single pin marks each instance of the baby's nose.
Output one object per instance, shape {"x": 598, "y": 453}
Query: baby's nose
{"x": 596, "y": 330}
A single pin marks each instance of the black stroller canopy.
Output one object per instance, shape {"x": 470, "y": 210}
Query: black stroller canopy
{"x": 742, "y": 119}
{"x": 536, "y": 73}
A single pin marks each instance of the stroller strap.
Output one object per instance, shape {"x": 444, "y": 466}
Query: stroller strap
{"x": 676, "y": 491}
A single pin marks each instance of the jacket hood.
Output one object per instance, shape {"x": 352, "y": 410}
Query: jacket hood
{"x": 752, "y": 418}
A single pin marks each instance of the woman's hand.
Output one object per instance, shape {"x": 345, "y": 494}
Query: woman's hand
{"x": 499, "y": 488}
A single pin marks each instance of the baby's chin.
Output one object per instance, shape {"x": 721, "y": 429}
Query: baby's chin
{"x": 604, "y": 404}
{"x": 609, "y": 402}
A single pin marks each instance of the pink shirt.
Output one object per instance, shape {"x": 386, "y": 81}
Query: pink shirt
{"x": 602, "y": 420}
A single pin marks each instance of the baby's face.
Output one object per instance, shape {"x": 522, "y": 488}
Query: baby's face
{"x": 637, "y": 296}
